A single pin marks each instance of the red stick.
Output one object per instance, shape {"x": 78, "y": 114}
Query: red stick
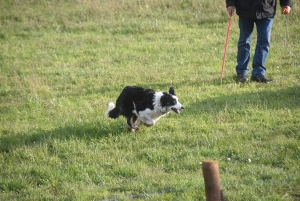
{"x": 226, "y": 47}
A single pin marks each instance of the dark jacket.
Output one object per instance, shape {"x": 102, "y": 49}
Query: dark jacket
{"x": 256, "y": 9}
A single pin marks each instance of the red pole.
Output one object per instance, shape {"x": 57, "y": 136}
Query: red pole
{"x": 226, "y": 47}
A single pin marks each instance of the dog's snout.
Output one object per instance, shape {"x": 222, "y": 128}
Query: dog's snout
{"x": 182, "y": 107}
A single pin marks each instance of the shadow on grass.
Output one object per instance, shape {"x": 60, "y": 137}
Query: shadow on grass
{"x": 88, "y": 131}
{"x": 288, "y": 98}
{"x": 261, "y": 99}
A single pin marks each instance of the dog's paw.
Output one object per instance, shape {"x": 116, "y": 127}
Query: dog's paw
{"x": 132, "y": 128}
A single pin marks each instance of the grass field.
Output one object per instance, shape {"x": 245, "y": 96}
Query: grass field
{"x": 62, "y": 62}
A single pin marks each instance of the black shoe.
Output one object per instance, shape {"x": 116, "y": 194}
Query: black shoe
{"x": 262, "y": 79}
{"x": 242, "y": 78}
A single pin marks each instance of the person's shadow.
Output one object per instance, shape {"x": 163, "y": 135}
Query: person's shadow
{"x": 288, "y": 98}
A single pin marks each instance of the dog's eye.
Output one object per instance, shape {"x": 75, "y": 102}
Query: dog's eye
{"x": 174, "y": 102}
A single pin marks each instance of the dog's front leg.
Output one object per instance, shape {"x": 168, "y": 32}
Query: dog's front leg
{"x": 148, "y": 122}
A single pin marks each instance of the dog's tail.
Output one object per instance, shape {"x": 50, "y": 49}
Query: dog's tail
{"x": 112, "y": 111}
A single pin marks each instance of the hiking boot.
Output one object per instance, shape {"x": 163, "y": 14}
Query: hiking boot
{"x": 261, "y": 79}
{"x": 242, "y": 78}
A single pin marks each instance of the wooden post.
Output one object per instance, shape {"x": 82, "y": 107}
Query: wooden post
{"x": 212, "y": 181}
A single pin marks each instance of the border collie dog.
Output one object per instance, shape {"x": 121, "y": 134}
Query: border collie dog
{"x": 143, "y": 106}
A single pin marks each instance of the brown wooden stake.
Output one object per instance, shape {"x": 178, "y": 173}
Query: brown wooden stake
{"x": 212, "y": 181}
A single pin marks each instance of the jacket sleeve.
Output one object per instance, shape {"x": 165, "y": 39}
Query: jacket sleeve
{"x": 230, "y": 3}
{"x": 285, "y": 3}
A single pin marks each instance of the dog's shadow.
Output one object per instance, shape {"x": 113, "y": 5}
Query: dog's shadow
{"x": 82, "y": 131}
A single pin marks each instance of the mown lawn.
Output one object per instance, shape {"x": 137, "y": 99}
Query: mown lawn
{"x": 62, "y": 62}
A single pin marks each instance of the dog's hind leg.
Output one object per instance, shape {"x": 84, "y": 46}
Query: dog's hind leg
{"x": 130, "y": 128}
{"x": 130, "y": 125}
{"x": 136, "y": 122}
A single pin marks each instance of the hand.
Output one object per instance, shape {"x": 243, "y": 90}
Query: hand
{"x": 286, "y": 10}
{"x": 231, "y": 10}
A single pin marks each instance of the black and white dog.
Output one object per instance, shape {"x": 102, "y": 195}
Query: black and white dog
{"x": 143, "y": 106}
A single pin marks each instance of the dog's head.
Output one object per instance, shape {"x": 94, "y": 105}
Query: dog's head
{"x": 169, "y": 102}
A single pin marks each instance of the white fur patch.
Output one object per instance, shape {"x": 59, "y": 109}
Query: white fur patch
{"x": 111, "y": 106}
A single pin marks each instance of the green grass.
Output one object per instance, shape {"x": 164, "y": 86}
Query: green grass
{"x": 61, "y": 62}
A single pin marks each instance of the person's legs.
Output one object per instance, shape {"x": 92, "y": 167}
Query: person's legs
{"x": 263, "y": 27}
{"x": 246, "y": 26}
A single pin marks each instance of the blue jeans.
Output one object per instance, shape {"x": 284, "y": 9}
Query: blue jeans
{"x": 263, "y": 27}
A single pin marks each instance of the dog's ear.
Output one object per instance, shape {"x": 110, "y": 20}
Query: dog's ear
{"x": 171, "y": 91}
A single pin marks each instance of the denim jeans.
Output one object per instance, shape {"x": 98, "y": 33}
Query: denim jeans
{"x": 263, "y": 27}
